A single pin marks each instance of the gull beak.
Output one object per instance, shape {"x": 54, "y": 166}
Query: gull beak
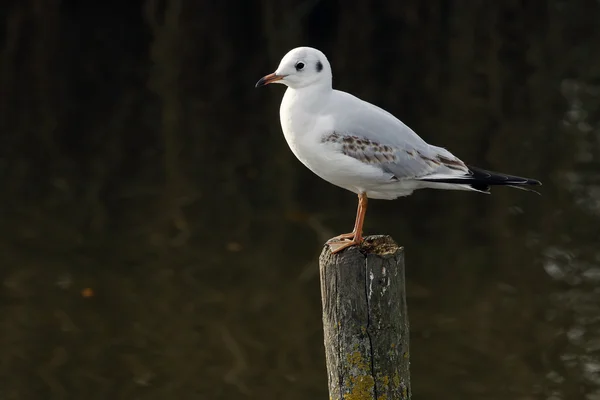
{"x": 265, "y": 80}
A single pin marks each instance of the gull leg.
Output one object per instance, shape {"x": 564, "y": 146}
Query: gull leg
{"x": 356, "y": 238}
{"x": 346, "y": 236}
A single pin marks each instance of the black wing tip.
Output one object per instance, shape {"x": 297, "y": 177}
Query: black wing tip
{"x": 496, "y": 178}
{"x": 482, "y": 180}
{"x": 524, "y": 182}
{"x": 529, "y": 181}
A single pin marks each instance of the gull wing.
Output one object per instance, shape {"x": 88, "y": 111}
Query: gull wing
{"x": 374, "y": 136}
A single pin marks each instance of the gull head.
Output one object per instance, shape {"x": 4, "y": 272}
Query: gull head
{"x": 299, "y": 68}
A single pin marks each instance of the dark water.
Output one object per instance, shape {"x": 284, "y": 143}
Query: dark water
{"x": 158, "y": 240}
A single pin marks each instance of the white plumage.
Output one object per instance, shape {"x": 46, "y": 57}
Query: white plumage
{"x": 361, "y": 147}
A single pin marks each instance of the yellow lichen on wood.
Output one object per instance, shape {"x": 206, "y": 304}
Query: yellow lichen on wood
{"x": 386, "y": 380}
{"x": 355, "y": 359}
{"x": 362, "y": 388}
{"x": 383, "y": 383}
{"x": 362, "y": 384}
{"x": 396, "y": 380}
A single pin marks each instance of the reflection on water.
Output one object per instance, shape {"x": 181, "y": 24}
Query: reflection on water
{"x": 124, "y": 280}
{"x": 574, "y": 261}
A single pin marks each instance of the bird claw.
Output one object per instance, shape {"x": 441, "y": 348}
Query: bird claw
{"x": 342, "y": 237}
{"x": 337, "y": 246}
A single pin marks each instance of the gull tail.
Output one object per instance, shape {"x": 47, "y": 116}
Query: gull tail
{"x": 481, "y": 180}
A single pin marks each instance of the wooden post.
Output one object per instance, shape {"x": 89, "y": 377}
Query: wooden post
{"x": 365, "y": 321}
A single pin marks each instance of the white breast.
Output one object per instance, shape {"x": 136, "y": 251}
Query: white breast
{"x": 299, "y": 124}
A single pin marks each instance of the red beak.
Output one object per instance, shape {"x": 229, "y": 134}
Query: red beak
{"x": 265, "y": 80}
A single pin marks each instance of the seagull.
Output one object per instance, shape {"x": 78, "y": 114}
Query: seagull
{"x": 360, "y": 147}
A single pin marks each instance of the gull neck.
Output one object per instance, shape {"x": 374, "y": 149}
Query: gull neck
{"x": 313, "y": 92}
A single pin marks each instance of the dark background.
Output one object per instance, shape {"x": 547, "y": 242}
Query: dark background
{"x": 158, "y": 239}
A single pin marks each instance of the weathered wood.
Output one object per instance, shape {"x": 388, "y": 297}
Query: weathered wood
{"x": 365, "y": 321}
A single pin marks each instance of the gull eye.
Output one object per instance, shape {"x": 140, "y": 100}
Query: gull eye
{"x": 299, "y": 66}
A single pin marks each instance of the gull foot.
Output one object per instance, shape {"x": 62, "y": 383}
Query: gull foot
{"x": 338, "y": 246}
{"x": 342, "y": 237}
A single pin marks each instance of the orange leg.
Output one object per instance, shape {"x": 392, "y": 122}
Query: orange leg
{"x": 337, "y": 243}
{"x": 347, "y": 236}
